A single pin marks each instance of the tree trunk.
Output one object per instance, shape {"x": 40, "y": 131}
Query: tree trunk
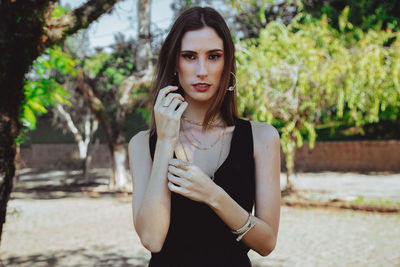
{"x": 143, "y": 53}
{"x": 8, "y": 131}
{"x": 290, "y": 157}
{"x": 120, "y": 176}
{"x": 88, "y": 160}
{"x": 23, "y": 37}
{"x": 83, "y": 139}
{"x": 18, "y": 48}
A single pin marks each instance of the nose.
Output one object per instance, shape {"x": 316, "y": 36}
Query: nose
{"x": 201, "y": 71}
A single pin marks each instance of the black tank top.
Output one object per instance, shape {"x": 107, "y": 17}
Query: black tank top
{"x": 197, "y": 237}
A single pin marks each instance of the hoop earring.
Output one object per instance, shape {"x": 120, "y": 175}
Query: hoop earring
{"x": 232, "y": 87}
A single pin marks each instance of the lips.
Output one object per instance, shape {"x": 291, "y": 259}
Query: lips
{"x": 201, "y": 86}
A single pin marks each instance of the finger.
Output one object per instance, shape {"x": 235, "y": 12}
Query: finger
{"x": 177, "y": 189}
{"x": 174, "y": 170}
{"x": 181, "y": 109}
{"x": 179, "y": 163}
{"x": 175, "y": 102}
{"x": 174, "y": 179}
{"x": 163, "y": 92}
{"x": 170, "y": 97}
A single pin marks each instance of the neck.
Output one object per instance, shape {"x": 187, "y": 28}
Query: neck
{"x": 196, "y": 111}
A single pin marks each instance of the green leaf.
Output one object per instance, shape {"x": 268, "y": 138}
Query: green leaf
{"x": 58, "y": 11}
{"x": 28, "y": 118}
{"x": 36, "y": 106}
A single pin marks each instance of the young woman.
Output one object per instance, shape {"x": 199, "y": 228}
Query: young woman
{"x": 200, "y": 169}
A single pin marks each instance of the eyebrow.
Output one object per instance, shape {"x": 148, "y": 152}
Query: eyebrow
{"x": 209, "y": 51}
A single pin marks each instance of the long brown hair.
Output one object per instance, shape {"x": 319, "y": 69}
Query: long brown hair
{"x": 196, "y": 18}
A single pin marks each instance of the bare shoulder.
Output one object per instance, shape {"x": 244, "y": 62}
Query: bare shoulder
{"x": 264, "y": 136}
{"x": 139, "y": 137}
{"x": 139, "y": 141}
{"x": 264, "y": 132}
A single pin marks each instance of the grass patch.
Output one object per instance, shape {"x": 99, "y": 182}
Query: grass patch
{"x": 375, "y": 202}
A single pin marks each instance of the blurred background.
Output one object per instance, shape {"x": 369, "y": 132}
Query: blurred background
{"x": 75, "y": 79}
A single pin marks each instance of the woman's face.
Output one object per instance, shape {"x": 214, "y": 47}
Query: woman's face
{"x": 200, "y": 64}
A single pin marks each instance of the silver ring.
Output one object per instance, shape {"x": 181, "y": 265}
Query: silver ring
{"x": 165, "y": 103}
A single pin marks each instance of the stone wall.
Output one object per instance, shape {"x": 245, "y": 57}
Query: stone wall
{"x": 362, "y": 156}
{"x": 63, "y": 156}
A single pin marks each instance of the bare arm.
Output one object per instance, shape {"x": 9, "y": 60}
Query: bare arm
{"x": 262, "y": 237}
{"x": 151, "y": 195}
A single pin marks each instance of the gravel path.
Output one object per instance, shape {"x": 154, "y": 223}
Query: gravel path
{"x": 346, "y": 186}
{"x": 318, "y": 186}
{"x": 77, "y": 230}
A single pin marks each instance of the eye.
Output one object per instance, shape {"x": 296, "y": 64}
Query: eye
{"x": 214, "y": 56}
{"x": 189, "y": 56}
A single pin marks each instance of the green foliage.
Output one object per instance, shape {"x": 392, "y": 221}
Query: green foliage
{"x": 95, "y": 63}
{"x": 112, "y": 69}
{"x": 58, "y": 11}
{"x": 308, "y": 73}
{"x": 145, "y": 113}
{"x": 365, "y": 15}
{"x": 45, "y": 90}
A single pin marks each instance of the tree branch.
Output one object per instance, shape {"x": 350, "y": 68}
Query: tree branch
{"x": 95, "y": 105}
{"x": 57, "y": 29}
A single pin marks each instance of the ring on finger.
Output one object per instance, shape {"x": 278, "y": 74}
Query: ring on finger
{"x": 185, "y": 163}
{"x": 166, "y": 102}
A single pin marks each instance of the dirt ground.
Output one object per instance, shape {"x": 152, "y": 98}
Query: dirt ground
{"x": 58, "y": 224}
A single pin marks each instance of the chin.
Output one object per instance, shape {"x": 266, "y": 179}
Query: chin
{"x": 201, "y": 97}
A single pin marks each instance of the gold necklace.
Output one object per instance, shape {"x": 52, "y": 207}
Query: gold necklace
{"x": 219, "y": 157}
{"x": 199, "y": 147}
{"x": 198, "y": 141}
{"x": 198, "y": 124}
{"x": 212, "y": 123}
{"x": 194, "y": 137}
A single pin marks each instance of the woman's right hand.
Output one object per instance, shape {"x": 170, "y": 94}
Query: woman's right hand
{"x": 166, "y": 117}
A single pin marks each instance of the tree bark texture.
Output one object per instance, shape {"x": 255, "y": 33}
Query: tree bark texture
{"x": 120, "y": 178}
{"x": 143, "y": 53}
{"x": 120, "y": 175}
{"x": 26, "y": 30}
{"x": 82, "y": 137}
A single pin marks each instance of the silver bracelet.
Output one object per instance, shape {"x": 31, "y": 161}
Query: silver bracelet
{"x": 253, "y": 223}
{"x": 245, "y": 227}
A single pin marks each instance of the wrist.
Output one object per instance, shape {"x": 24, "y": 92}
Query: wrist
{"x": 166, "y": 143}
{"x": 215, "y": 196}
{"x": 164, "y": 150}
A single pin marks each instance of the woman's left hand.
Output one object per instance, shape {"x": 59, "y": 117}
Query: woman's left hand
{"x": 190, "y": 181}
